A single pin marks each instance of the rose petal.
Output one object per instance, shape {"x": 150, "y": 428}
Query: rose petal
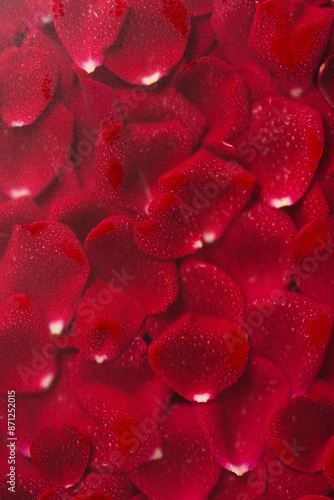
{"x": 293, "y": 332}
{"x": 214, "y": 190}
{"x": 209, "y": 291}
{"x": 22, "y": 210}
{"x": 107, "y": 321}
{"x": 290, "y": 39}
{"x": 33, "y": 155}
{"x": 326, "y": 76}
{"x": 299, "y": 433}
{"x": 61, "y": 454}
{"x": 187, "y": 469}
{"x": 130, "y": 372}
{"x": 312, "y": 252}
{"x": 255, "y": 251}
{"x": 311, "y": 206}
{"x": 234, "y": 422}
{"x": 199, "y": 357}
{"x": 169, "y": 231}
{"x": 28, "y": 81}
{"x": 23, "y": 332}
{"x": 45, "y": 261}
{"x": 282, "y": 147}
{"x": 88, "y": 29}
{"x": 28, "y": 481}
{"x": 231, "y": 486}
{"x": 129, "y": 160}
{"x": 232, "y": 22}
{"x": 153, "y": 40}
{"x": 138, "y": 105}
{"x": 285, "y": 483}
{"x": 125, "y": 435}
{"x": 210, "y": 80}
{"x": 114, "y": 256}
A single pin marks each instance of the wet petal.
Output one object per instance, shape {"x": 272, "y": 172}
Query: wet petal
{"x": 61, "y": 454}
{"x": 186, "y": 468}
{"x": 199, "y": 357}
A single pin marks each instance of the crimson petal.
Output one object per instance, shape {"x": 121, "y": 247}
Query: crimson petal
{"x": 152, "y": 41}
{"x": 299, "y": 432}
{"x": 210, "y": 80}
{"x": 129, "y": 160}
{"x": 285, "y": 483}
{"x": 169, "y": 231}
{"x": 87, "y": 30}
{"x": 61, "y": 454}
{"x": 199, "y": 357}
{"x": 23, "y": 332}
{"x": 28, "y": 81}
{"x": 326, "y": 78}
{"x": 293, "y": 332}
{"x": 209, "y": 291}
{"x": 114, "y": 257}
{"x": 250, "y": 485}
{"x": 214, "y": 190}
{"x": 312, "y": 252}
{"x": 289, "y": 38}
{"x": 284, "y": 143}
{"x": 33, "y": 155}
{"x": 234, "y": 422}
{"x": 125, "y": 436}
{"x": 187, "y": 469}
{"x": 106, "y": 322}
{"x": 45, "y": 261}
{"x": 255, "y": 251}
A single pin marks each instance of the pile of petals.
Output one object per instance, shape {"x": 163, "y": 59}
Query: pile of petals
{"x": 167, "y": 249}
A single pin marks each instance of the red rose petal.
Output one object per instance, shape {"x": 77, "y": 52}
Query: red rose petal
{"x": 130, "y": 160}
{"x": 106, "y": 322}
{"x": 285, "y": 483}
{"x": 130, "y": 372}
{"x": 88, "y": 29}
{"x": 33, "y": 155}
{"x": 299, "y": 433}
{"x": 140, "y": 106}
{"x": 200, "y": 7}
{"x": 255, "y": 251}
{"x": 293, "y": 332}
{"x": 45, "y": 261}
{"x": 290, "y": 39}
{"x": 312, "y": 252}
{"x": 199, "y": 366}
{"x": 61, "y": 454}
{"x": 311, "y": 206}
{"x": 152, "y": 41}
{"x": 28, "y": 481}
{"x": 187, "y": 469}
{"x": 231, "y": 487}
{"x": 82, "y": 212}
{"x": 170, "y": 230}
{"x": 209, "y": 291}
{"x": 23, "y": 332}
{"x": 125, "y": 436}
{"x": 211, "y": 80}
{"x": 118, "y": 485}
{"x": 18, "y": 211}
{"x": 259, "y": 82}
{"x": 90, "y": 96}
{"x": 234, "y": 422}
{"x": 214, "y": 190}
{"x": 114, "y": 257}
{"x": 232, "y": 22}
{"x": 28, "y": 81}
{"x": 282, "y": 148}
{"x": 326, "y": 78}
